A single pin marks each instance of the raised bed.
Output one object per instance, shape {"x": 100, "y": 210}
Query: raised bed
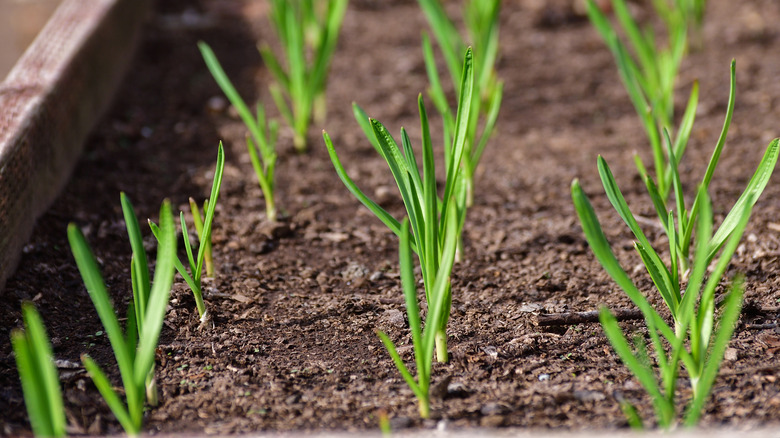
{"x": 50, "y": 101}
{"x": 295, "y": 306}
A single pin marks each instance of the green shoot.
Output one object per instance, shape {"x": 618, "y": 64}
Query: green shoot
{"x": 308, "y": 31}
{"x": 197, "y": 220}
{"x": 694, "y": 325}
{"x": 135, "y": 349}
{"x": 694, "y": 14}
{"x": 481, "y": 18}
{"x": 203, "y": 229}
{"x": 40, "y": 383}
{"x": 141, "y": 284}
{"x": 423, "y": 340}
{"x": 681, "y": 234}
{"x": 430, "y": 216}
{"x": 262, "y": 131}
{"x": 650, "y": 74}
{"x": 384, "y": 424}
{"x": 691, "y": 305}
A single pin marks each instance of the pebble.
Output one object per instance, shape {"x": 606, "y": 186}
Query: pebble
{"x": 491, "y": 351}
{"x": 492, "y": 421}
{"x": 261, "y": 248}
{"x": 384, "y": 195}
{"x": 494, "y": 414}
{"x": 400, "y": 423}
{"x": 457, "y": 390}
{"x": 631, "y": 385}
{"x": 322, "y": 281}
{"x": 217, "y": 104}
{"x": 354, "y": 271}
{"x": 493, "y": 408}
{"x": 274, "y": 230}
{"x": 394, "y": 317}
{"x": 589, "y": 396}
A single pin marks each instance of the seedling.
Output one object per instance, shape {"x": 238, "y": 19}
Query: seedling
{"x": 384, "y": 424}
{"x": 430, "y": 216}
{"x": 481, "y": 18}
{"x": 40, "y": 383}
{"x": 423, "y": 340}
{"x": 692, "y": 308}
{"x": 650, "y": 74}
{"x": 682, "y": 236}
{"x": 308, "y": 32}
{"x": 262, "y": 131}
{"x": 197, "y": 220}
{"x": 204, "y": 238}
{"x": 694, "y": 325}
{"x": 694, "y": 13}
{"x": 695, "y": 9}
{"x": 134, "y": 349}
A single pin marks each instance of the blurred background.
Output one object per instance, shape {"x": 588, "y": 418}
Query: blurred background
{"x": 20, "y": 22}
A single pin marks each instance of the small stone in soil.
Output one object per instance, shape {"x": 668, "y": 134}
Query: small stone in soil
{"x": 457, "y": 390}
{"x": 216, "y": 104}
{"x": 400, "y": 423}
{"x": 394, "y": 317}
{"x": 491, "y": 351}
{"x": 384, "y": 195}
{"x": 494, "y": 409}
{"x": 492, "y": 421}
{"x": 589, "y": 396}
{"x": 261, "y": 248}
{"x": 322, "y": 281}
{"x": 354, "y": 271}
{"x": 274, "y": 230}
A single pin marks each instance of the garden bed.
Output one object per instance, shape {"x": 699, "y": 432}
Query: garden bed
{"x": 295, "y": 305}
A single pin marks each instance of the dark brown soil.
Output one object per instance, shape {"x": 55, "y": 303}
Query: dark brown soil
{"x": 295, "y": 306}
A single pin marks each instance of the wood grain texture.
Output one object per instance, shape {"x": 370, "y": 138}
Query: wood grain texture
{"x": 50, "y": 101}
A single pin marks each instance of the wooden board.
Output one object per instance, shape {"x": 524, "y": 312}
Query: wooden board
{"x": 50, "y": 101}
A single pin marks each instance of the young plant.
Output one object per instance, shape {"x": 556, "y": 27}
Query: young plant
{"x": 197, "y": 220}
{"x": 262, "y": 131}
{"x": 134, "y": 349}
{"x": 40, "y": 383}
{"x": 308, "y": 31}
{"x": 430, "y": 216}
{"x": 140, "y": 282}
{"x": 203, "y": 229}
{"x": 650, "y": 74}
{"x": 423, "y": 339}
{"x": 694, "y": 316}
{"x": 694, "y": 14}
{"x": 682, "y": 237}
{"x": 693, "y": 326}
{"x": 481, "y": 18}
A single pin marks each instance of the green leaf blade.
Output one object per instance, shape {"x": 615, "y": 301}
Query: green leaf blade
{"x": 158, "y": 299}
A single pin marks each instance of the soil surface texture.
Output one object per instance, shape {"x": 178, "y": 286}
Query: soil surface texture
{"x": 295, "y": 305}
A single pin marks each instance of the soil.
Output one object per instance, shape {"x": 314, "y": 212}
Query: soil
{"x": 295, "y": 306}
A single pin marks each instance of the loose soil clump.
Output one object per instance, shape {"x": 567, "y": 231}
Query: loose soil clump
{"x": 296, "y": 304}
